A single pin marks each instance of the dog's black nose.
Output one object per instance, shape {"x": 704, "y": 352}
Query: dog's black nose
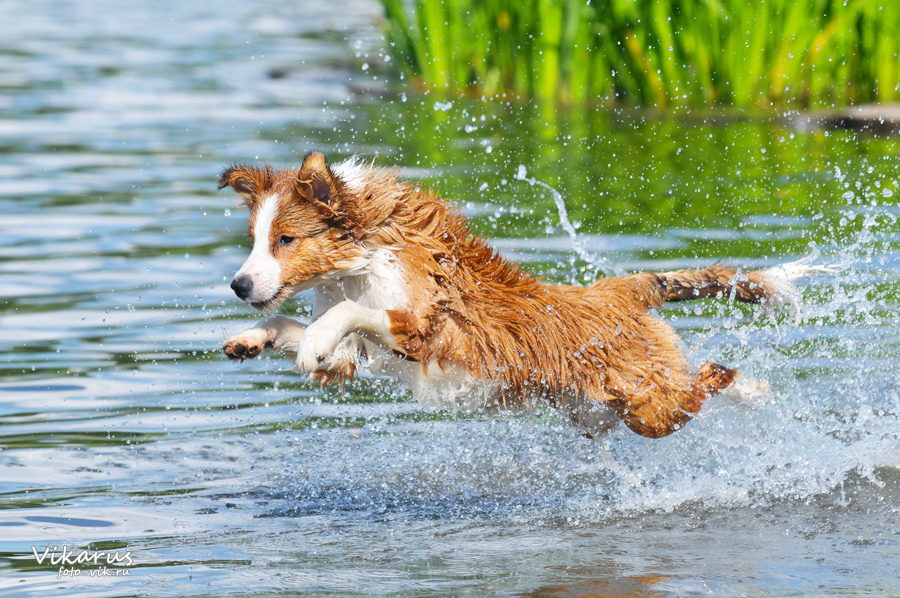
{"x": 242, "y": 286}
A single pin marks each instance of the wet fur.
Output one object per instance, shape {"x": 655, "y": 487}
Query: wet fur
{"x": 464, "y": 311}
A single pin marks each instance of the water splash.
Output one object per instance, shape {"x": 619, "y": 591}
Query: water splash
{"x": 838, "y": 419}
{"x": 834, "y": 412}
{"x": 594, "y": 262}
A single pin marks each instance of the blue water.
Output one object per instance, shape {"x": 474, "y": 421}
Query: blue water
{"x": 123, "y": 428}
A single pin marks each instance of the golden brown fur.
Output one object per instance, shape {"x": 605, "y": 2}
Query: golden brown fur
{"x": 469, "y": 307}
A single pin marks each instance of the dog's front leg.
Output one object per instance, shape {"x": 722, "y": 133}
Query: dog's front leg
{"x": 323, "y": 336}
{"x": 278, "y": 332}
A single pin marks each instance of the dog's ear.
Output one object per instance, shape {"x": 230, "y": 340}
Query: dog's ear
{"x": 248, "y": 181}
{"x": 316, "y": 182}
{"x": 319, "y": 186}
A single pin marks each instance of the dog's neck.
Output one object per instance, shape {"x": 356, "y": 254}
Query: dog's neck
{"x": 378, "y": 283}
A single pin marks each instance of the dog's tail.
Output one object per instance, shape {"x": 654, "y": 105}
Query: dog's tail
{"x": 772, "y": 286}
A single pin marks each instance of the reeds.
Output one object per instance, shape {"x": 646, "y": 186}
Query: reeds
{"x": 798, "y": 53}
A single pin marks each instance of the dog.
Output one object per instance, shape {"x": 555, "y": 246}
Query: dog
{"x": 402, "y": 286}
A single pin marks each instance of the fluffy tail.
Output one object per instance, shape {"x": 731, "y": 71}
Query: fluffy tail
{"x": 773, "y": 286}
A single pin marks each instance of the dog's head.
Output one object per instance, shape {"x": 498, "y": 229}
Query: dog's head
{"x": 304, "y": 225}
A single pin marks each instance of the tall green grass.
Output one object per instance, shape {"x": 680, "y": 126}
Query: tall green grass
{"x": 653, "y": 52}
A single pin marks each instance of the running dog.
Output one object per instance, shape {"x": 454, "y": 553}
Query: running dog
{"x": 403, "y": 287}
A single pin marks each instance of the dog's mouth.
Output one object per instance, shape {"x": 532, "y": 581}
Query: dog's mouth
{"x": 289, "y": 290}
{"x": 272, "y": 302}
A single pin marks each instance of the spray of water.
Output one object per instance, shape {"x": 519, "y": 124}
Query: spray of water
{"x": 833, "y": 412}
{"x": 594, "y": 262}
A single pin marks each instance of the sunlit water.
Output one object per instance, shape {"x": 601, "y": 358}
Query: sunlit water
{"x": 122, "y": 427}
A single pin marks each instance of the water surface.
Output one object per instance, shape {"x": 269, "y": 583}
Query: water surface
{"x": 123, "y": 428}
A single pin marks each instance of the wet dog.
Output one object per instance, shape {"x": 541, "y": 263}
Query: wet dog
{"x": 403, "y": 287}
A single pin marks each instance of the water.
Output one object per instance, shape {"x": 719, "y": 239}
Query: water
{"x": 565, "y": 223}
{"x": 123, "y": 428}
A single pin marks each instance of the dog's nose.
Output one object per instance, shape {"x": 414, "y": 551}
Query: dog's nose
{"x": 242, "y": 285}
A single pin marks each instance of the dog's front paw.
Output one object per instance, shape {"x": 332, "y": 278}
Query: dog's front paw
{"x": 248, "y": 344}
{"x": 316, "y": 346}
{"x": 342, "y": 364}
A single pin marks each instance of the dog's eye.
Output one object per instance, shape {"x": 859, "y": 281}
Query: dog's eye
{"x": 285, "y": 240}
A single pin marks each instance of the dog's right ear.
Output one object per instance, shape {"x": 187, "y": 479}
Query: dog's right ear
{"x": 248, "y": 181}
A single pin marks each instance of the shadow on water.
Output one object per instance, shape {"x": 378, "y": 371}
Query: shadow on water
{"x": 123, "y": 428}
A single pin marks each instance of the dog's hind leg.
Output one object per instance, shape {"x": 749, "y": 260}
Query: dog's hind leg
{"x": 659, "y": 411}
{"x": 589, "y": 415}
{"x": 652, "y": 405}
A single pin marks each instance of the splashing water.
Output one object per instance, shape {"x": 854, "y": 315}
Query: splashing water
{"x": 594, "y": 262}
{"x": 124, "y": 425}
{"x": 811, "y": 433}
{"x": 805, "y": 435}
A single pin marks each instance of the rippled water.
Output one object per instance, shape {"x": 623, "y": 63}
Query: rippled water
{"x": 123, "y": 428}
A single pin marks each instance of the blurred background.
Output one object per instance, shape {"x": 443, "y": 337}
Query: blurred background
{"x": 678, "y": 134}
{"x": 663, "y": 53}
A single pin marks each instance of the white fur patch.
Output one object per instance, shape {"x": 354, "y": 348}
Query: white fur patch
{"x": 433, "y": 387}
{"x": 375, "y": 282}
{"x": 379, "y": 283}
{"x": 385, "y": 286}
{"x": 437, "y": 389}
{"x": 352, "y": 173}
{"x": 262, "y": 267}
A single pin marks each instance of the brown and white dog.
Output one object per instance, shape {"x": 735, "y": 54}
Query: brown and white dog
{"x": 404, "y": 287}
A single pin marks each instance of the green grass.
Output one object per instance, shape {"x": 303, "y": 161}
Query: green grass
{"x": 793, "y": 53}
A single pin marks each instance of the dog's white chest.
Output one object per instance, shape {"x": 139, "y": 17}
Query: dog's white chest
{"x": 380, "y": 284}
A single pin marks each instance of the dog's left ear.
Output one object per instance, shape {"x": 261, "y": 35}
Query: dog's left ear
{"x": 316, "y": 182}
